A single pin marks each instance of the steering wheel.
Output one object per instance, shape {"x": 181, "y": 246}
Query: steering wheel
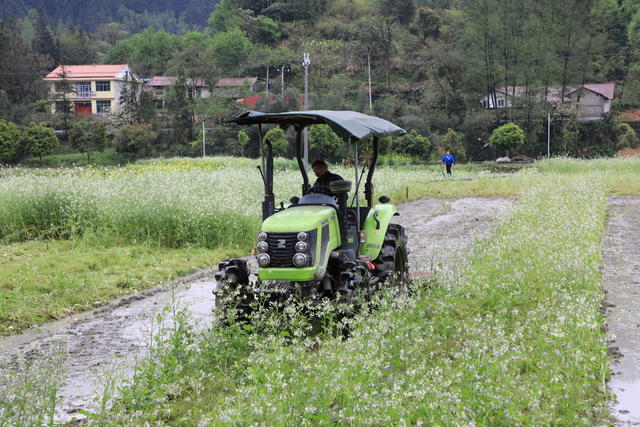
{"x": 320, "y": 190}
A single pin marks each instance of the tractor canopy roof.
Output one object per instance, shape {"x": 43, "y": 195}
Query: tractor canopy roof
{"x": 346, "y": 124}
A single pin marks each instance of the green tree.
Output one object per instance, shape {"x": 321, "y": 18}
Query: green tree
{"x": 452, "y": 141}
{"x": 278, "y": 142}
{"x": 134, "y": 141}
{"x": 325, "y": 141}
{"x": 231, "y": 48}
{"x": 427, "y": 24}
{"x": 147, "y": 52}
{"x": 136, "y": 103}
{"x": 43, "y": 42}
{"x": 224, "y": 17}
{"x": 86, "y": 136}
{"x": 413, "y": 144}
{"x": 38, "y": 139}
{"x": 180, "y": 104}
{"x": 9, "y": 136}
{"x": 507, "y": 137}
{"x": 77, "y": 47}
{"x": 21, "y": 71}
{"x": 400, "y": 11}
{"x": 626, "y": 136}
{"x": 241, "y": 143}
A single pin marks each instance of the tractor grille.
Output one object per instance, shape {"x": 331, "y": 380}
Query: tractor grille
{"x": 281, "y": 248}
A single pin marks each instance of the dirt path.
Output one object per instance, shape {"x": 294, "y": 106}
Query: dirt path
{"x": 106, "y": 343}
{"x": 621, "y": 275}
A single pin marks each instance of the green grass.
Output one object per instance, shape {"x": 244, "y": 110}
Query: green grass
{"x": 47, "y": 280}
{"x": 518, "y": 338}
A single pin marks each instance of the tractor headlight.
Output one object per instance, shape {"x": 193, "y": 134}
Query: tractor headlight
{"x": 262, "y": 236}
{"x": 263, "y": 260}
{"x": 263, "y": 247}
{"x": 301, "y": 247}
{"x": 300, "y": 260}
{"x": 302, "y": 236}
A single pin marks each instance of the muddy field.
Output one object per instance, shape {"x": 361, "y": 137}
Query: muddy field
{"x": 621, "y": 276}
{"x": 100, "y": 347}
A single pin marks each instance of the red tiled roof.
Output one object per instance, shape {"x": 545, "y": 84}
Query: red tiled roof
{"x": 88, "y": 71}
{"x": 223, "y": 82}
{"x": 553, "y": 92}
{"x": 160, "y": 81}
{"x": 605, "y": 89}
{"x": 236, "y": 81}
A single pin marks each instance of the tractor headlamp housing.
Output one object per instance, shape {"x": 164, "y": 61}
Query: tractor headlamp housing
{"x": 301, "y": 260}
{"x": 263, "y": 260}
{"x": 263, "y": 247}
{"x": 302, "y": 247}
{"x": 262, "y": 236}
{"x": 302, "y": 236}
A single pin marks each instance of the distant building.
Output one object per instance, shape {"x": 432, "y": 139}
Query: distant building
{"x": 225, "y": 87}
{"x": 92, "y": 90}
{"x": 591, "y": 100}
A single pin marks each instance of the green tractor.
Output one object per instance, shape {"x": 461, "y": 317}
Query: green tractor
{"x": 320, "y": 245}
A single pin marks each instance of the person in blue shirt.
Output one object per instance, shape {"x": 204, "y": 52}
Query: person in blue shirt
{"x": 448, "y": 160}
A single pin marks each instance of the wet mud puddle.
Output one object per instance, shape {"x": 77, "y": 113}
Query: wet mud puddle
{"x": 102, "y": 347}
{"x": 621, "y": 277}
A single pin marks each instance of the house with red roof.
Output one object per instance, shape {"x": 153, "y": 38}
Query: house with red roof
{"x": 590, "y": 100}
{"x": 89, "y": 90}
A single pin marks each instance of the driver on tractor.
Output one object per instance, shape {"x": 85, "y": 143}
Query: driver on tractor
{"x": 321, "y": 170}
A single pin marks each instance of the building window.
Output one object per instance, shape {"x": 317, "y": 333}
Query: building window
{"x": 103, "y": 106}
{"x": 83, "y": 89}
{"x": 103, "y": 86}
{"x": 500, "y": 102}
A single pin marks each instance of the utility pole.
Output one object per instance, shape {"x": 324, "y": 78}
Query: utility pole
{"x": 204, "y": 136}
{"x": 306, "y": 62}
{"x": 369, "y": 70}
{"x": 548, "y": 135}
{"x": 266, "y": 86}
{"x": 282, "y": 69}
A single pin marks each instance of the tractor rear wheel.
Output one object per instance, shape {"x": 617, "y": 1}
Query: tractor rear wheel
{"x": 393, "y": 254}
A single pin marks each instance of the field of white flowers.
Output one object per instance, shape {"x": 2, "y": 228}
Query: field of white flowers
{"x": 176, "y": 203}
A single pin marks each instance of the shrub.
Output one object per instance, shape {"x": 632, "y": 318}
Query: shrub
{"x": 9, "y": 136}
{"x": 626, "y": 136}
{"x": 134, "y": 141}
{"x": 507, "y": 137}
{"x": 278, "y": 142}
{"x": 413, "y": 144}
{"x": 38, "y": 139}
{"x": 452, "y": 141}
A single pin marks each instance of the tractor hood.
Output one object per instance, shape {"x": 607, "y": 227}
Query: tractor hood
{"x": 298, "y": 218}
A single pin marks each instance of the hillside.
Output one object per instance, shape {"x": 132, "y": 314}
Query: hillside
{"x": 172, "y": 15}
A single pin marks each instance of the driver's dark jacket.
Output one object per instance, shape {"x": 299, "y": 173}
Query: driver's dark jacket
{"x": 324, "y": 180}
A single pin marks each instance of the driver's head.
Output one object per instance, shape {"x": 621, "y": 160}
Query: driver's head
{"x": 319, "y": 167}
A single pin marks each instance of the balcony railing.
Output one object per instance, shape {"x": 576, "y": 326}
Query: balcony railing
{"x": 75, "y": 95}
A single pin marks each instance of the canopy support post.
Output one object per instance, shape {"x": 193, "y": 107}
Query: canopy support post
{"x": 301, "y": 165}
{"x": 368, "y": 186}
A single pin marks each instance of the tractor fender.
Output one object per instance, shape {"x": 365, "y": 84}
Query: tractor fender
{"x": 375, "y": 227}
